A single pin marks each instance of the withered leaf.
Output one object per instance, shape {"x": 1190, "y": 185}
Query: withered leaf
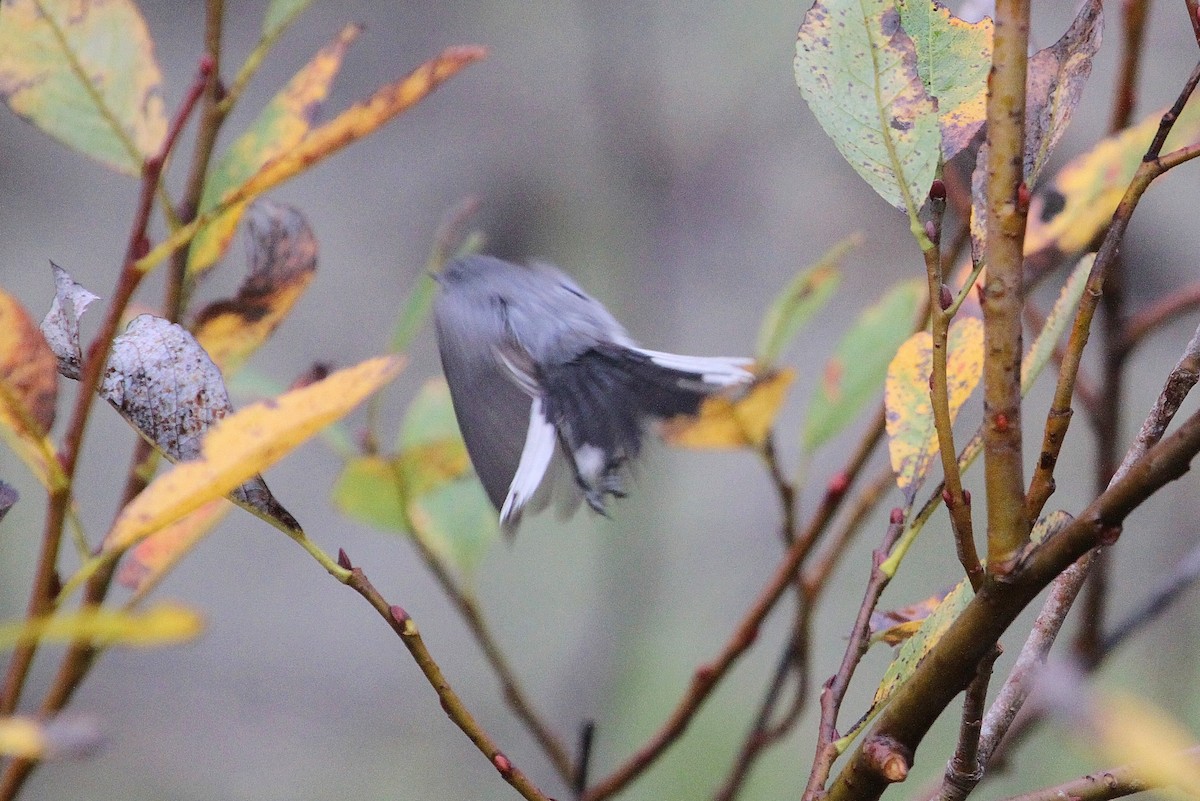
{"x": 28, "y": 369}
{"x": 282, "y": 257}
{"x": 161, "y": 381}
{"x": 61, "y": 324}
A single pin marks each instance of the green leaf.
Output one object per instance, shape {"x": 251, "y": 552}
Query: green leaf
{"x": 1060, "y": 317}
{"x": 803, "y": 297}
{"x": 953, "y": 60}
{"x": 161, "y": 625}
{"x": 280, "y": 14}
{"x": 368, "y": 490}
{"x": 854, "y": 373}
{"x": 430, "y": 417}
{"x": 85, "y": 73}
{"x": 857, "y": 69}
{"x": 457, "y": 522}
{"x": 281, "y": 125}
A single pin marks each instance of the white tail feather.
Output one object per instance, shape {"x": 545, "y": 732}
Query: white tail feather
{"x": 720, "y": 371}
{"x": 535, "y": 457}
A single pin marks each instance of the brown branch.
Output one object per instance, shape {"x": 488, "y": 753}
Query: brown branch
{"x": 835, "y": 688}
{"x": 707, "y": 676}
{"x": 406, "y": 629}
{"x": 1134, "y": 14}
{"x": 948, "y": 668}
{"x": 1041, "y": 485}
{"x": 1150, "y": 319}
{"x": 965, "y": 768}
{"x": 1008, "y": 523}
{"x": 1193, "y": 11}
{"x": 1102, "y": 785}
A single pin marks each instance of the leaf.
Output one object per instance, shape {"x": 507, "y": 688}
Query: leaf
{"x": 894, "y": 626}
{"x": 61, "y": 324}
{"x": 1054, "y": 85}
{"x": 85, "y": 73}
{"x": 953, "y": 60}
{"x": 427, "y": 490}
{"x": 360, "y": 120}
{"x": 456, "y": 521}
{"x": 28, "y": 391}
{"x": 803, "y": 297}
{"x": 281, "y": 126}
{"x": 857, "y": 69}
{"x": 854, "y": 373}
{"x": 1057, "y": 75}
{"x": 912, "y": 436}
{"x": 1060, "y": 317}
{"x": 156, "y": 555}
{"x": 244, "y": 444}
{"x": 725, "y": 422}
{"x": 280, "y": 14}
{"x": 1079, "y": 203}
{"x": 369, "y": 489}
{"x": 164, "y": 624}
{"x": 64, "y": 736}
{"x": 282, "y": 256}
{"x": 918, "y": 646}
{"x": 1131, "y": 729}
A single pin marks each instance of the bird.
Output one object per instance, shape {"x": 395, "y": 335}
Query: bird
{"x": 542, "y": 377}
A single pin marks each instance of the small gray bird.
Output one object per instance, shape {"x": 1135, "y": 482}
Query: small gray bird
{"x": 539, "y": 371}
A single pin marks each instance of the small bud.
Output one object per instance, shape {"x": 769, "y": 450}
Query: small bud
{"x": 931, "y": 231}
{"x": 207, "y": 64}
{"x": 897, "y": 516}
{"x": 945, "y": 297}
{"x": 948, "y": 498}
{"x": 1023, "y": 197}
{"x": 1001, "y": 422}
{"x": 967, "y": 497}
{"x": 838, "y": 485}
{"x": 502, "y": 764}
{"x": 705, "y": 674}
{"x": 399, "y": 615}
{"x": 937, "y": 190}
{"x": 1110, "y": 535}
{"x": 343, "y": 560}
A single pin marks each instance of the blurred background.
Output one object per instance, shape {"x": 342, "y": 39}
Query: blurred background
{"x": 661, "y": 153}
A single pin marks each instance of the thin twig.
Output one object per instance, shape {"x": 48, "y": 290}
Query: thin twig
{"x": 860, "y": 639}
{"x": 1041, "y": 485}
{"x": 1150, "y": 319}
{"x": 1102, "y": 785}
{"x": 406, "y": 629}
{"x": 1134, "y": 14}
{"x": 707, "y": 676}
{"x": 1181, "y": 578}
{"x": 965, "y": 768}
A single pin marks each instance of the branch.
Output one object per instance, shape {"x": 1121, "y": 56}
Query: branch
{"x": 1101, "y": 785}
{"x": 1007, "y": 207}
{"x": 1158, "y": 314}
{"x": 965, "y": 768}
{"x": 1134, "y": 14}
{"x": 860, "y": 639}
{"x": 406, "y": 629}
{"x": 1058, "y": 420}
{"x": 948, "y": 668}
{"x": 707, "y": 676}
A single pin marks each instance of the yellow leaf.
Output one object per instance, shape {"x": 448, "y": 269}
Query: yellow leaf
{"x": 156, "y": 555}
{"x": 160, "y": 625}
{"x": 283, "y": 123}
{"x": 246, "y": 443}
{"x": 894, "y": 626}
{"x": 724, "y": 422}
{"x": 28, "y": 390}
{"x": 1134, "y": 730}
{"x": 362, "y": 118}
{"x": 22, "y": 737}
{"x": 912, "y": 436}
{"x": 63, "y": 736}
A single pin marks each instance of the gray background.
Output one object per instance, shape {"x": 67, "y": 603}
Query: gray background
{"x": 660, "y": 152}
